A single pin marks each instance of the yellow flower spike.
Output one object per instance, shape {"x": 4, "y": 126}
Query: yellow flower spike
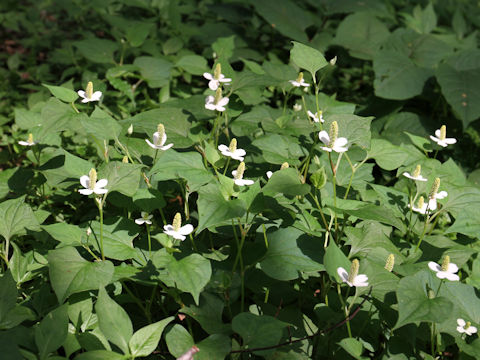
{"x": 417, "y": 171}
{"x": 89, "y": 90}
{"x": 217, "y": 72}
{"x": 421, "y": 202}
{"x": 333, "y": 134}
{"x": 177, "y": 221}
{"x": 434, "y": 189}
{"x": 390, "y": 263}
{"x": 284, "y": 166}
{"x": 233, "y": 145}
{"x": 443, "y": 132}
{"x": 300, "y": 77}
{"x": 240, "y": 171}
{"x": 445, "y": 263}
{"x": 353, "y": 270}
{"x": 92, "y": 177}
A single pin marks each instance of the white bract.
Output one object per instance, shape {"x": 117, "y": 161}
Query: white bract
{"x": 446, "y": 270}
{"x": 88, "y": 95}
{"x": 176, "y": 230}
{"x": 91, "y": 185}
{"x": 29, "y": 141}
{"x": 318, "y": 117}
{"x": 297, "y": 107}
{"x": 269, "y": 174}
{"x": 441, "y": 137}
{"x": 238, "y": 176}
{"x": 465, "y": 327}
{"x": 216, "y": 102}
{"x": 353, "y": 278}
{"x": 299, "y": 81}
{"x": 159, "y": 139}
{"x": 332, "y": 141}
{"x": 216, "y": 78}
{"x": 421, "y": 207}
{"x": 415, "y": 175}
{"x": 189, "y": 354}
{"x": 145, "y": 219}
{"x": 232, "y": 151}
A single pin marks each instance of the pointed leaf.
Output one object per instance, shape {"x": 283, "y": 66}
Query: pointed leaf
{"x": 145, "y": 340}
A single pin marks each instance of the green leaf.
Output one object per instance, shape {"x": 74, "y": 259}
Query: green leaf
{"x": 208, "y": 314}
{"x": 308, "y": 58}
{"x": 352, "y": 346}
{"x": 191, "y": 274}
{"x": 62, "y": 93}
{"x": 214, "y": 210}
{"x": 177, "y": 127}
{"x": 286, "y": 181}
{"x": 145, "y": 340}
{"x": 362, "y": 34}
{"x": 124, "y": 178}
{"x": 333, "y": 259}
{"x": 214, "y": 347}
{"x": 461, "y": 88}
{"x": 156, "y": 71}
{"x": 285, "y": 259}
{"x": 193, "y": 64}
{"x": 355, "y": 128}
{"x": 377, "y": 213}
{"x": 70, "y": 273}
{"x": 118, "y": 235}
{"x": 100, "y": 355}
{"x": 258, "y": 331}
{"x": 387, "y": 155}
{"x": 97, "y": 50}
{"x": 178, "y": 340}
{"x": 414, "y": 303}
{"x": 8, "y": 294}
{"x": 286, "y": 17}
{"x": 16, "y": 217}
{"x": 397, "y": 77}
{"x": 277, "y": 149}
{"x": 101, "y": 126}
{"x": 52, "y": 331}
{"x": 113, "y": 321}
{"x": 173, "y": 165}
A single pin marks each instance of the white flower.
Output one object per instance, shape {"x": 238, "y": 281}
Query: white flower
{"x": 416, "y": 174}
{"x": 269, "y": 174}
{"x": 216, "y": 102}
{"x": 232, "y": 151}
{"x": 238, "y": 176}
{"x": 176, "y": 230}
{"x": 159, "y": 139}
{"x": 332, "y": 141}
{"x": 318, "y": 117}
{"x": 299, "y": 81}
{"x": 216, "y": 78}
{"x": 421, "y": 207}
{"x": 91, "y": 185}
{"x": 432, "y": 202}
{"x": 441, "y": 137}
{"x": 88, "y": 95}
{"x": 465, "y": 327}
{"x": 189, "y": 354}
{"x": 435, "y": 194}
{"x": 446, "y": 270}
{"x": 145, "y": 219}
{"x": 29, "y": 141}
{"x": 297, "y": 107}
{"x": 353, "y": 278}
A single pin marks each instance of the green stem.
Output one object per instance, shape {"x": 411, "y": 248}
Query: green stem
{"x": 100, "y": 209}
{"x": 423, "y": 232}
{"x": 226, "y": 166}
{"x": 344, "y": 309}
{"x": 75, "y": 108}
{"x": 149, "y": 241}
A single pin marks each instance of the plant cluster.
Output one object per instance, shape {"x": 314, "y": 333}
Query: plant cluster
{"x": 226, "y": 180}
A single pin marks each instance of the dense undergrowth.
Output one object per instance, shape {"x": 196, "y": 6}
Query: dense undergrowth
{"x": 239, "y": 180}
